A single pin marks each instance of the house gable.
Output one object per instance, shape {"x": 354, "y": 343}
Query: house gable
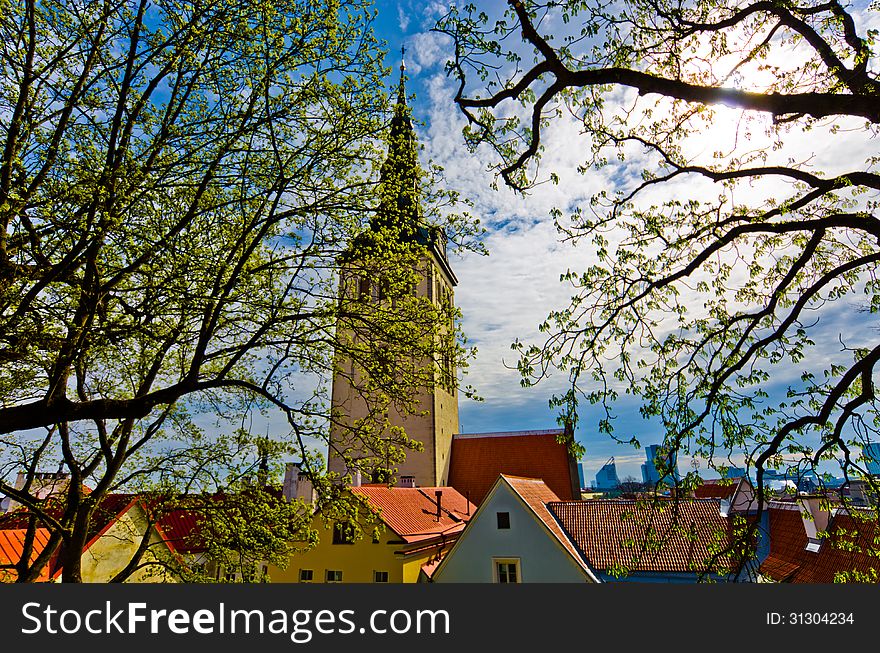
{"x": 112, "y": 547}
{"x": 528, "y": 540}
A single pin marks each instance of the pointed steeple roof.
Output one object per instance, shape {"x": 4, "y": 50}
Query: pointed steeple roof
{"x": 399, "y": 211}
{"x": 400, "y": 177}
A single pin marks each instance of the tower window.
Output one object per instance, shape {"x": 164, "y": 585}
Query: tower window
{"x": 384, "y": 288}
{"x": 364, "y": 289}
{"x": 430, "y": 282}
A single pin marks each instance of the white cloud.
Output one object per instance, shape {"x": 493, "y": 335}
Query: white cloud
{"x": 427, "y": 51}
{"x": 403, "y": 17}
{"x": 433, "y": 11}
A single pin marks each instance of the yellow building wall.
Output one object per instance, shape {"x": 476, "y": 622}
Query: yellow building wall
{"x": 111, "y": 552}
{"x": 356, "y": 561}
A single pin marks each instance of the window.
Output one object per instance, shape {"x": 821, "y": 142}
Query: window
{"x": 507, "y": 571}
{"x": 430, "y": 282}
{"x": 306, "y": 575}
{"x": 343, "y": 533}
{"x": 503, "y": 519}
{"x": 447, "y": 371}
{"x": 384, "y": 361}
{"x": 380, "y": 576}
{"x": 364, "y": 290}
{"x": 333, "y": 576}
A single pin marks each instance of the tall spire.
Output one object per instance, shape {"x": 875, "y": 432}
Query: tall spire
{"x": 400, "y": 203}
{"x": 401, "y": 90}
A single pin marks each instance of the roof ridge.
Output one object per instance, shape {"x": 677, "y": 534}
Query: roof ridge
{"x": 501, "y": 434}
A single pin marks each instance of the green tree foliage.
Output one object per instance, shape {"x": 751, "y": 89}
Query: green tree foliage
{"x": 716, "y": 262}
{"x": 179, "y": 181}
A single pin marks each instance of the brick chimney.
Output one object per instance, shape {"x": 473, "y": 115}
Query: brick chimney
{"x": 439, "y": 495}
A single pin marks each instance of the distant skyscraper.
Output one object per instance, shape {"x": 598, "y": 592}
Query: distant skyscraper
{"x": 582, "y": 476}
{"x": 872, "y": 452}
{"x": 655, "y": 456}
{"x": 606, "y": 478}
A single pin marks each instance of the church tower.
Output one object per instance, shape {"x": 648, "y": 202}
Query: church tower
{"x": 435, "y": 419}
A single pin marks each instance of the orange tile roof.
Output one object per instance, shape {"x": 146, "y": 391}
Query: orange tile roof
{"x": 665, "y": 535}
{"x": 537, "y": 496}
{"x": 431, "y": 566}
{"x": 412, "y": 512}
{"x": 850, "y": 546}
{"x": 106, "y": 511}
{"x": 477, "y": 459}
{"x": 12, "y": 548}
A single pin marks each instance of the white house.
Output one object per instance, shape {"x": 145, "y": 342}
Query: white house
{"x": 513, "y": 538}
{"x": 523, "y": 533}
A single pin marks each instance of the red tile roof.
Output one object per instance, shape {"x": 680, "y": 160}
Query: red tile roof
{"x": 717, "y": 488}
{"x": 182, "y": 531}
{"x": 106, "y": 511}
{"x": 478, "y": 459}
{"x": 665, "y": 535}
{"x": 412, "y": 512}
{"x": 12, "y": 548}
{"x": 850, "y": 546}
{"x": 431, "y": 566}
{"x": 537, "y": 496}
{"x": 180, "y": 528}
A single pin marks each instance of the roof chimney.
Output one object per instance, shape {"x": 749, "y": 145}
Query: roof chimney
{"x": 296, "y": 484}
{"x": 439, "y": 495}
{"x": 407, "y": 481}
{"x": 291, "y": 476}
{"x": 816, "y": 515}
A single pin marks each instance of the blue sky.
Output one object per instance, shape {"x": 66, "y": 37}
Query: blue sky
{"x": 505, "y": 296}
